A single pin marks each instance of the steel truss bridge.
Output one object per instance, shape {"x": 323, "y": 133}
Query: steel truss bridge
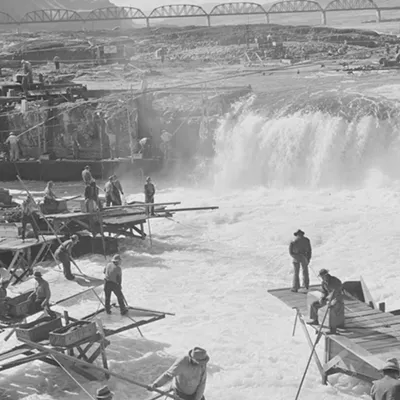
{"x": 190, "y": 10}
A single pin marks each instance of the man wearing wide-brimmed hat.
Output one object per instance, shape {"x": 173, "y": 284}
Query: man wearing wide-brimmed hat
{"x": 189, "y": 374}
{"x": 113, "y": 284}
{"x": 104, "y": 393}
{"x": 389, "y": 386}
{"x": 40, "y": 298}
{"x": 300, "y": 251}
{"x": 332, "y": 293}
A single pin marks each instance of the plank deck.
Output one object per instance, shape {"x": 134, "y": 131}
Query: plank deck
{"x": 370, "y": 333}
{"x": 14, "y": 244}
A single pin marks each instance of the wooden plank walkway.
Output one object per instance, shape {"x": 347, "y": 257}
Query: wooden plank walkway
{"x": 368, "y": 339}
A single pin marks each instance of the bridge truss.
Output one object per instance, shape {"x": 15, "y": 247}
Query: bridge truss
{"x": 340, "y": 5}
{"x": 6, "y": 19}
{"x": 237, "y": 9}
{"x": 295, "y": 6}
{"x": 177, "y": 10}
{"x": 190, "y": 10}
{"x": 56, "y": 15}
{"x": 115, "y": 13}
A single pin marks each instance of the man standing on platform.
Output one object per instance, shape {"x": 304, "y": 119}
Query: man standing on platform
{"x": 87, "y": 176}
{"x": 91, "y": 194}
{"x": 56, "y": 61}
{"x": 63, "y": 255}
{"x": 113, "y": 284}
{"x": 29, "y": 215}
{"x": 118, "y": 188}
{"x": 332, "y": 292}
{"x": 40, "y": 298}
{"x": 300, "y": 251}
{"x": 12, "y": 141}
{"x": 149, "y": 192}
{"x": 189, "y": 374}
{"x": 388, "y": 387}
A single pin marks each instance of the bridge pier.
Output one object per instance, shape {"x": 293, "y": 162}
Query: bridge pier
{"x": 323, "y": 17}
{"x": 378, "y": 15}
{"x": 148, "y": 22}
{"x": 208, "y": 20}
{"x": 267, "y": 18}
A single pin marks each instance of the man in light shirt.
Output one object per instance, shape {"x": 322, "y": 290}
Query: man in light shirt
{"x": 40, "y": 298}
{"x": 113, "y": 284}
{"x": 12, "y": 140}
{"x": 189, "y": 375}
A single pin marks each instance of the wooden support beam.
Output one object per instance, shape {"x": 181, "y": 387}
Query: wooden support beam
{"x": 67, "y": 321}
{"x": 310, "y": 343}
{"x": 91, "y": 366}
{"x": 338, "y": 359}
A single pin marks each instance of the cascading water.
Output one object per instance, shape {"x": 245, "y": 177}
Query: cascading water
{"x": 321, "y": 142}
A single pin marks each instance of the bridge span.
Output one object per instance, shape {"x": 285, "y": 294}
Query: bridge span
{"x": 191, "y": 10}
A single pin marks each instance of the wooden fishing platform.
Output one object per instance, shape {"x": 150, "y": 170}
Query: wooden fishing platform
{"x": 369, "y": 336}
{"x": 121, "y": 220}
{"x": 88, "y": 348}
{"x": 22, "y": 262}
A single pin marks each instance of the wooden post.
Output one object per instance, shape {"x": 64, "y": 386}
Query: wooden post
{"x": 74, "y": 360}
{"x": 67, "y": 321}
{"x": 327, "y": 358}
{"x": 310, "y": 343}
{"x": 103, "y": 345}
{"x": 295, "y": 323}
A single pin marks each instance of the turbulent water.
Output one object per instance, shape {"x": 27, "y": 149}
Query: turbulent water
{"x": 335, "y": 177}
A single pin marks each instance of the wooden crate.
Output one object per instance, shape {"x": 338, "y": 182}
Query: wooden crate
{"x": 72, "y": 333}
{"x": 38, "y": 330}
{"x": 19, "y": 305}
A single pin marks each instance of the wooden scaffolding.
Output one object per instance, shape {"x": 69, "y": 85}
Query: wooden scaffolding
{"x": 360, "y": 349}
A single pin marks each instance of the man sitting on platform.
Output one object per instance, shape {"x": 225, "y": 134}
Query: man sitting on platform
{"x": 50, "y": 200}
{"x": 389, "y": 386}
{"x": 40, "y": 298}
{"x": 29, "y": 215}
{"x": 63, "y": 254}
{"x": 331, "y": 294}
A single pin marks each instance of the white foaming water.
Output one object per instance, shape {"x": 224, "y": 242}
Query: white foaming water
{"x": 305, "y": 150}
{"x": 213, "y": 269}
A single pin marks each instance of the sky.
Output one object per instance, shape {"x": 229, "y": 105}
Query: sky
{"x": 151, "y": 4}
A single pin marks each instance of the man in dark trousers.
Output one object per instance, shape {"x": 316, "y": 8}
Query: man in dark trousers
{"x": 29, "y": 215}
{"x": 300, "y": 251}
{"x": 113, "y": 284}
{"x": 388, "y": 387}
{"x": 40, "y": 298}
{"x": 149, "y": 192}
{"x": 63, "y": 255}
{"x": 332, "y": 291}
